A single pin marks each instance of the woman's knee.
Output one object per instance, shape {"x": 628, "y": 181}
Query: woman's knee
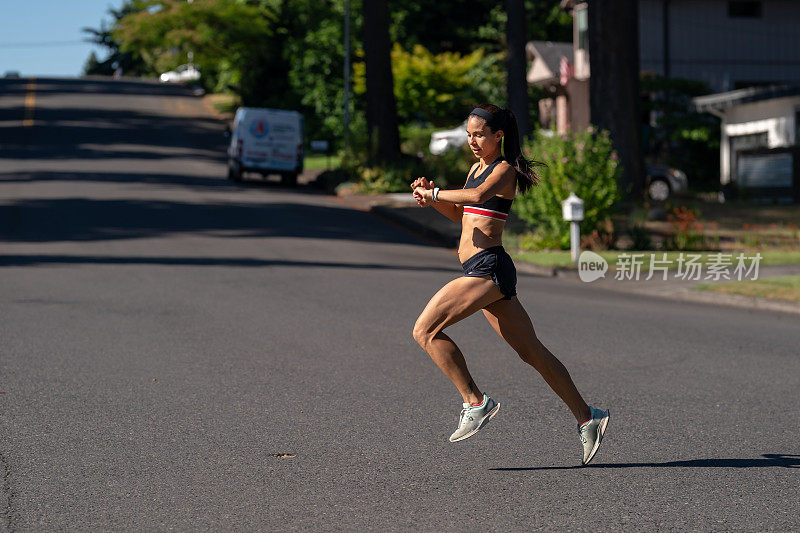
{"x": 422, "y": 333}
{"x": 532, "y": 352}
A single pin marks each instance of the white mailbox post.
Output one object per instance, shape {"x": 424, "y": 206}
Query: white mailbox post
{"x": 572, "y": 209}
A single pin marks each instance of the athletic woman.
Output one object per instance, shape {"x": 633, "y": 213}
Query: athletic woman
{"x": 489, "y": 280}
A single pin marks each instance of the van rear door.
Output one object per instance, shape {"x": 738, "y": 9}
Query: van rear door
{"x": 271, "y": 139}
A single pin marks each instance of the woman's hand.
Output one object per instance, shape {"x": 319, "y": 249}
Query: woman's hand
{"x": 423, "y": 196}
{"x": 422, "y": 191}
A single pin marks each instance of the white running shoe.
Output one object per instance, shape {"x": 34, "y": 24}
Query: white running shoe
{"x": 592, "y": 432}
{"x": 473, "y": 419}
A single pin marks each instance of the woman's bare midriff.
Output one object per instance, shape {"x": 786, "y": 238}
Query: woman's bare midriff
{"x": 478, "y": 233}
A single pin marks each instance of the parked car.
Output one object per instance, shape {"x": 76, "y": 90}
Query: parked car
{"x": 444, "y": 140}
{"x": 661, "y": 182}
{"x": 267, "y": 141}
{"x": 188, "y": 72}
{"x": 11, "y": 74}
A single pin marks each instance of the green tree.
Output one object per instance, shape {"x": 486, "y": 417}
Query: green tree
{"x": 313, "y": 50}
{"x": 517, "y": 65}
{"x": 130, "y": 62}
{"x": 223, "y": 37}
{"x": 381, "y": 103}
{"x": 614, "y": 88}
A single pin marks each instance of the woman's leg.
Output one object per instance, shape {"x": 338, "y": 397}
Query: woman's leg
{"x": 455, "y": 301}
{"x": 510, "y": 321}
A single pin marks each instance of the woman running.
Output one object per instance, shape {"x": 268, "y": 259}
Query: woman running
{"x": 489, "y": 280}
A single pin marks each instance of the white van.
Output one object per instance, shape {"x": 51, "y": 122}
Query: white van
{"x": 267, "y": 141}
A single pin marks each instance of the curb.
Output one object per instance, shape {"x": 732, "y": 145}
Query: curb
{"x": 736, "y": 300}
{"x": 710, "y": 297}
{"x": 688, "y": 294}
{"x": 442, "y": 239}
{"x": 535, "y": 270}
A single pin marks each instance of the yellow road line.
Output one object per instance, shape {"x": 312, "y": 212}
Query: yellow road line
{"x": 30, "y": 103}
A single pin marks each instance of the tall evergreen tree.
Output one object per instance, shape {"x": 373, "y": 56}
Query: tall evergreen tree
{"x": 614, "y": 84}
{"x": 517, "y": 64}
{"x": 381, "y": 103}
{"x": 130, "y": 62}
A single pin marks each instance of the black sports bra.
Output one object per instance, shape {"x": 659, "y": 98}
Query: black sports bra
{"x": 495, "y": 207}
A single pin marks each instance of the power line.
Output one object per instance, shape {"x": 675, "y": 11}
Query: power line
{"x": 41, "y": 44}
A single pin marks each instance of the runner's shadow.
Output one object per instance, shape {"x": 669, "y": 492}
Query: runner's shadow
{"x": 769, "y": 459}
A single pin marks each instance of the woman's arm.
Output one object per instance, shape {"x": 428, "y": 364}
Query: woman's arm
{"x": 452, "y": 211}
{"x": 493, "y": 184}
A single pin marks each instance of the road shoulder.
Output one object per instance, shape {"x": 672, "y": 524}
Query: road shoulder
{"x": 399, "y": 209}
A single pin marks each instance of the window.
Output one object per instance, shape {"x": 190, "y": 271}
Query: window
{"x": 742, "y": 9}
{"x": 745, "y": 142}
{"x": 582, "y": 16}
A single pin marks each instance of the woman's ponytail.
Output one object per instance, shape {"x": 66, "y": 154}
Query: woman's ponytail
{"x": 526, "y": 177}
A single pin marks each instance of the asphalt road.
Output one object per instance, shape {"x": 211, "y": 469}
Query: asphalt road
{"x": 168, "y": 336}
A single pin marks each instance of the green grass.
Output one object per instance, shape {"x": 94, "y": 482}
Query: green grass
{"x": 561, "y": 258}
{"x": 223, "y": 103}
{"x": 782, "y": 288}
{"x": 320, "y": 162}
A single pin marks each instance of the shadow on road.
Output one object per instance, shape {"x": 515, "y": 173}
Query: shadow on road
{"x": 84, "y": 220}
{"x": 29, "y": 260}
{"x": 90, "y": 84}
{"x": 252, "y": 181}
{"x": 187, "y": 180}
{"x": 78, "y": 133}
{"x": 769, "y": 460}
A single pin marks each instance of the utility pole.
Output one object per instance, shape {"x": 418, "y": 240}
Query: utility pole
{"x": 346, "y": 72}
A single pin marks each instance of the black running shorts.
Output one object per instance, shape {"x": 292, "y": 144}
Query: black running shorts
{"x": 494, "y": 262}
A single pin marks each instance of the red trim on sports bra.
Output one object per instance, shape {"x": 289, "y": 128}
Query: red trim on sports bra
{"x": 488, "y": 213}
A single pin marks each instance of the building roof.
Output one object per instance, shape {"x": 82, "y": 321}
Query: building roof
{"x": 722, "y": 101}
{"x": 550, "y": 53}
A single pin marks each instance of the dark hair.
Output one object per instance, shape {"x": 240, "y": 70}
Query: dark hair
{"x": 504, "y": 119}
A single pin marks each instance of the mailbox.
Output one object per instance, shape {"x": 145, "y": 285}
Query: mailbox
{"x": 572, "y": 208}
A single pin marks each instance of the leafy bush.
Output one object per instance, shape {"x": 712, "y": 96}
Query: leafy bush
{"x": 687, "y": 230}
{"x": 580, "y": 162}
{"x": 438, "y": 88}
{"x": 603, "y": 237}
{"x": 446, "y": 170}
{"x": 415, "y": 139}
{"x": 385, "y": 178}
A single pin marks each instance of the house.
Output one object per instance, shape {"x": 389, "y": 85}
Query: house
{"x": 729, "y": 44}
{"x": 567, "y": 104}
{"x": 759, "y": 138}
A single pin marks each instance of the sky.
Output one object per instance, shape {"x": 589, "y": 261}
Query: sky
{"x": 43, "y": 37}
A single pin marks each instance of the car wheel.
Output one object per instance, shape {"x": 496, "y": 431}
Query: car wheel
{"x": 658, "y": 190}
{"x": 234, "y": 170}
{"x": 289, "y": 179}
